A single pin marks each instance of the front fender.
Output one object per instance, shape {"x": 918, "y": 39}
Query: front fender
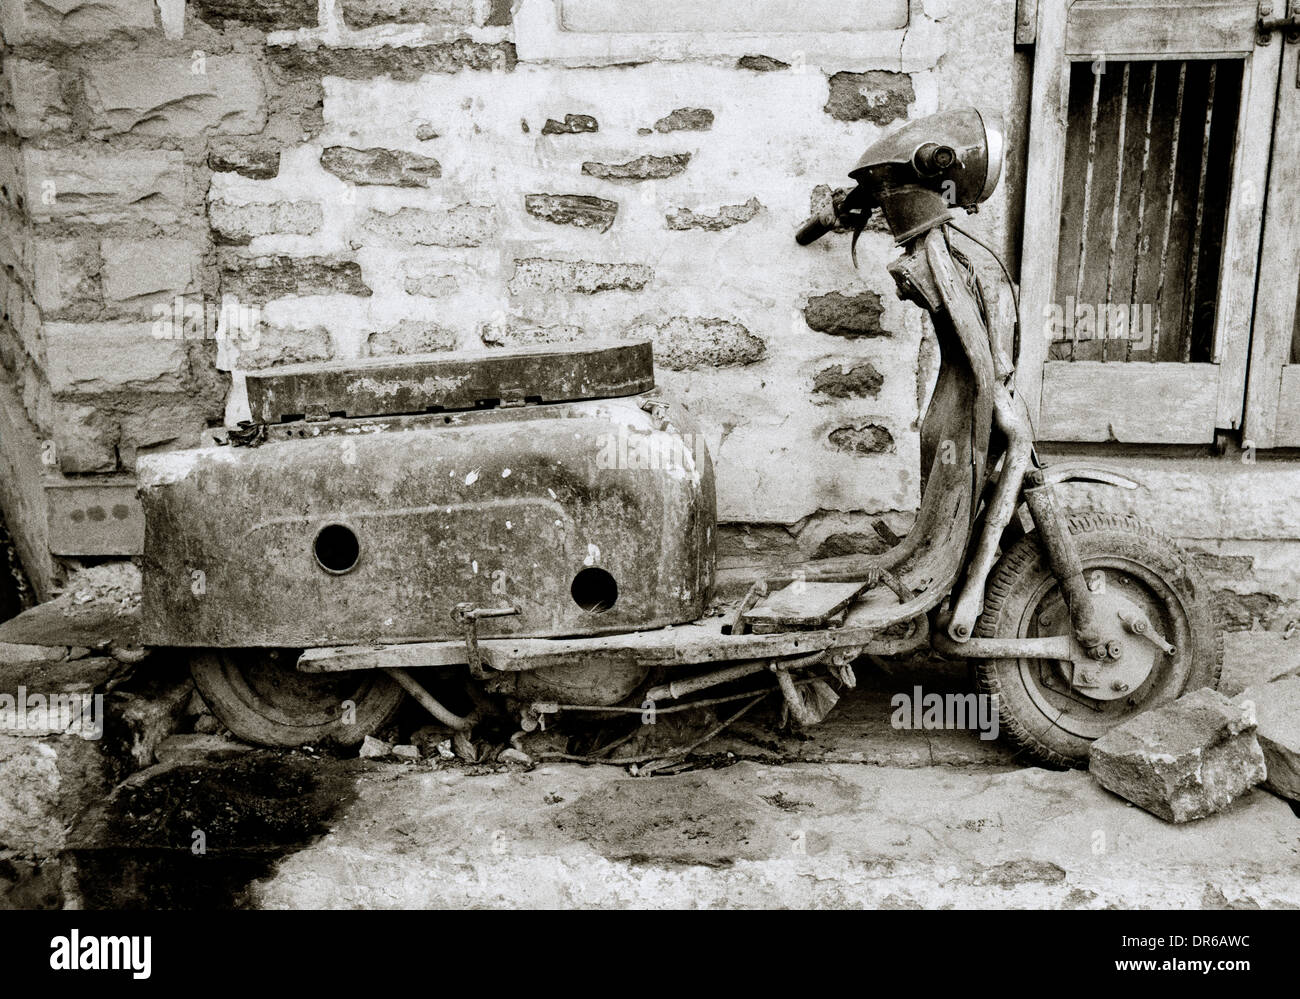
{"x": 1078, "y": 471}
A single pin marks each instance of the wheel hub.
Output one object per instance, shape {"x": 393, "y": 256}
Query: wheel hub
{"x": 1122, "y": 662}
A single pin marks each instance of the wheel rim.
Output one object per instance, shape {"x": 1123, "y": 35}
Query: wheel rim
{"x": 1045, "y": 681}
{"x": 265, "y": 683}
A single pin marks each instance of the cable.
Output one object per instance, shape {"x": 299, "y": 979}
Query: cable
{"x": 1015, "y": 292}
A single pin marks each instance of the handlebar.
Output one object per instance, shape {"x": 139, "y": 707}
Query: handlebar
{"x": 812, "y": 230}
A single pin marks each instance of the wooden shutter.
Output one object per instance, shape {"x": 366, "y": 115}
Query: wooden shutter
{"x": 1273, "y": 398}
{"x": 1150, "y": 128}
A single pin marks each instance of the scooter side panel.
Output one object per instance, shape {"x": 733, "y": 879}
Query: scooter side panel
{"x": 501, "y": 512}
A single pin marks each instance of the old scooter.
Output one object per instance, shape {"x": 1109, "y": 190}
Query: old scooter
{"x": 541, "y": 525}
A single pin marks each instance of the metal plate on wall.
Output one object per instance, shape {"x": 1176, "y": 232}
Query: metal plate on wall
{"x": 449, "y": 381}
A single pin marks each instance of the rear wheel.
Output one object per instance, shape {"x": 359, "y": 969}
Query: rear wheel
{"x": 1053, "y": 710}
{"x": 261, "y": 697}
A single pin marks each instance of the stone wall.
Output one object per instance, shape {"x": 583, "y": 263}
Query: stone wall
{"x": 363, "y": 177}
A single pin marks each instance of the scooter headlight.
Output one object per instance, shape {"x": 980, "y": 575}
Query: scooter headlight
{"x": 957, "y": 154}
{"x": 995, "y": 149}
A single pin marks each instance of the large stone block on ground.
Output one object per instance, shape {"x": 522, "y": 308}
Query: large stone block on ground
{"x": 48, "y": 781}
{"x": 1254, "y": 657}
{"x": 1277, "y": 714}
{"x": 1183, "y": 761}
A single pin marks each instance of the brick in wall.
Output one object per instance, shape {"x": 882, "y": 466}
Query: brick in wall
{"x": 460, "y": 225}
{"x": 368, "y": 13}
{"x": 82, "y": 183}
{"x": 32, "y": 99}
{"x": 239, "y": 225}
{"x": 75, "y": 22}
{"x": 178, "y": 96}
{"x": 536, "y": 275}
{"x": 83, "y": 358}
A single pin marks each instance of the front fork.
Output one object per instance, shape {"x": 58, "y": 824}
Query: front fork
{"x": 1016, "y": 478}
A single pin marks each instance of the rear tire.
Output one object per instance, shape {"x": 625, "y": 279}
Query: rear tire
{"x": 262, "y": 698}
{"x": 1040, "y": 712}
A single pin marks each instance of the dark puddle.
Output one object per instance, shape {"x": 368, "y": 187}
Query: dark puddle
{"x": 195, "y": 836}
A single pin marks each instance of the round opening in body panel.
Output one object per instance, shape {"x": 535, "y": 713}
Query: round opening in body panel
{"x": 594, "y": 590}
{"x": 336, "y": 548}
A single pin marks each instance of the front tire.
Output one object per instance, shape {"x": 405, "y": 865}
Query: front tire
{"x": 262, "y": 698}
{"x": 1041, "y": 712}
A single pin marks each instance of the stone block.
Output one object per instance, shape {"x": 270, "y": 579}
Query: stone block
{"x": 139, "y": 270}
{"x": 33, "y": 100}
{"x": 86, "y": 184}
{"x": 391, "y": 167}
{"x": 87, "y": 358}
{"x": 368, "y": 13}
{"x": 1276, "y": 707}
{"x": 1182, "y": 761}
{"x": 411, "y": 336}
{"x": 269, "y": 15}
{"x": 401, "y": 62}
{"x": 581, "y": 210}
{"x": 848, "y": 316}
{"x": 727, "y": 216}
{"x": 176, "y": 96}
{"x": 461, "y": 225}
{"x": 686, "y": 120}
{"x": 539, "y": 275}
{"x": 66, "y": 277}
{"x": 427, "y": 280}
{"x": 866, "y": 440}
{"x": 256, "y": 164}
{"x": 683, "y": 343}
{"x": 642, "y": 168}
{"x": 74, "y": 22}
{"x": 239, "y": 225}
{"x": 861, "y": 381}
{"x": 573, "y": 124}
{"x": 260, "y": 279}
{"x": 878, "y": 96}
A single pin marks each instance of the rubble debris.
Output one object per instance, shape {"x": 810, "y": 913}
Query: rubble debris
{"x": 153, "y": 715}
{"x": 1183, "y": 761}
{"x": 98, "y": 605}
{"x": 1277, "y": 713}
{"x": 374, "y": 749}
{"x": 406, "y": 752}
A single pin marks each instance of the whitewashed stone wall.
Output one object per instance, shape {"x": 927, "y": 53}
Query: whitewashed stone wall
{"x": 393, "y": 176}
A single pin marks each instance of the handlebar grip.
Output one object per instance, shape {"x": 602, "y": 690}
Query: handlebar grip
{"x": 811, "y": 231}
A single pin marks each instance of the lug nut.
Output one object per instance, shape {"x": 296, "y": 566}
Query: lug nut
{"x": 1114, "y": 650}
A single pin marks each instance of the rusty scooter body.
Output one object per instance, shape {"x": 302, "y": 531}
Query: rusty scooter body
{"x": 542, "y": 524}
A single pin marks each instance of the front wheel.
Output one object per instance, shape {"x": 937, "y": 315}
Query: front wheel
{"x": 1053, "y": 710}
{"x": 261, "y": 697}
